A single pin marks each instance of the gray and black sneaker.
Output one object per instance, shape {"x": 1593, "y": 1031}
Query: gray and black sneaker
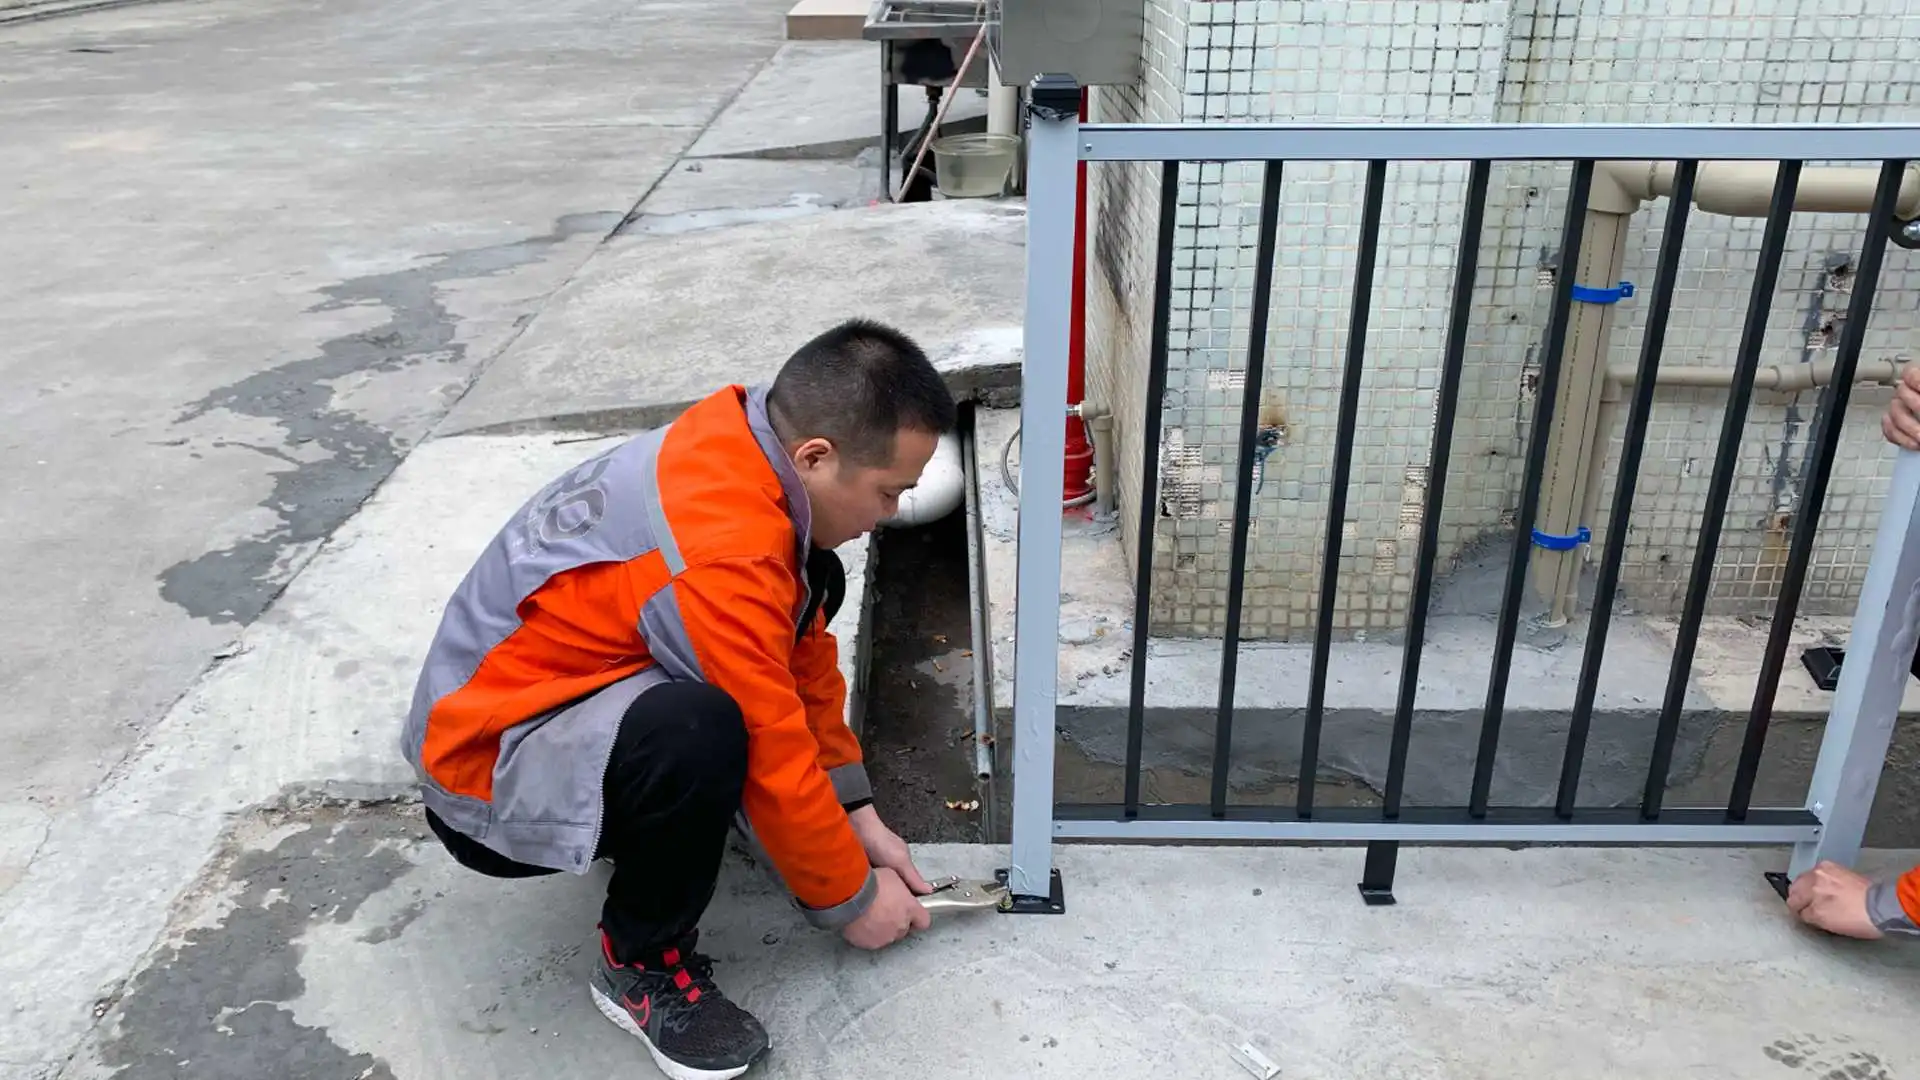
{"x": 671, "y": 1003}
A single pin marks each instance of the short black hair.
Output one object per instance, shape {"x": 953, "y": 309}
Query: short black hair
{"x": 857, "y": 386}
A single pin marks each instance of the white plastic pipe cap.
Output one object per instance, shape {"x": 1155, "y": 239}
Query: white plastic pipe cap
{"x": 942, "y": 487}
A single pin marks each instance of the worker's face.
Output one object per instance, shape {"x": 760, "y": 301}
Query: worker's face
{"x": 850, "y": 499}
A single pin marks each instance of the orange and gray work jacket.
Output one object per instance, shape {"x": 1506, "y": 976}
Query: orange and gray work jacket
{"x": 679, "y": 554}
{"x": 1894, "y": 906}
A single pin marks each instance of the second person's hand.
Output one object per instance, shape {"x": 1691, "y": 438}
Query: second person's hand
{"x": 1901, "y": 424}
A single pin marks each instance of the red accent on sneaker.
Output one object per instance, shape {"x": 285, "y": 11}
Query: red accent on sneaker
{"x": 606, "y": 949}
{"x": 644, "y": 1007}
{"x": 671, "y": 956}
{"x": 693, "y": 995}
{"x": 681, "y": 979}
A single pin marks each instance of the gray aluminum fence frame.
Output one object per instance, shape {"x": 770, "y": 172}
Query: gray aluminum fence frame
{"x": 1832, "y": 820}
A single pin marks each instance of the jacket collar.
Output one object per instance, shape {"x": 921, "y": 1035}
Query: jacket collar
{"x": 799, "y": 509}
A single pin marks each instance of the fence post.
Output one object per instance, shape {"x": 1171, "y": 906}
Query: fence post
{"x": 1053, "y": 131}
{"x": 1873, "y": 677}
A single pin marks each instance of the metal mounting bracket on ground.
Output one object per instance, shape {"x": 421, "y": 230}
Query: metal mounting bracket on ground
{"x": 1054, "y": 903}
{"x": 1823, "y": 664}
{"x": 1376, "y": 878}
{"x": 1780, "y": 882}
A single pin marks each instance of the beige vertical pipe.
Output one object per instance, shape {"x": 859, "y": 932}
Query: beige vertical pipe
{"x": 1589, "y": 402}
{"x": 1003, "y": 114}
{"x": 1611, "y": 392}
{"x": 1583, "y": 376}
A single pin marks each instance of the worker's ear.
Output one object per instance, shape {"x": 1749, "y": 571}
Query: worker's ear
{"x": 813, "y": 455}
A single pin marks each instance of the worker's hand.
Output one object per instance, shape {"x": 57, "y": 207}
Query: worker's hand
{"x": 885, "y": 848}
{"x": 1901, "y": 425}
{"x": 894, "y": 913}
{"x": 1833, "y": 898}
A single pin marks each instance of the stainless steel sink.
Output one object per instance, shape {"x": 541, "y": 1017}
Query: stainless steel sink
{"x": 894, "y": 20}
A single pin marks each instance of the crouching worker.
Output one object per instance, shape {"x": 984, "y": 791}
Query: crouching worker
{"x": 642, "y": 652}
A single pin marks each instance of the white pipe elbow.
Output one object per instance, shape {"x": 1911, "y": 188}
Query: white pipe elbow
{"x": 942, "y": 488}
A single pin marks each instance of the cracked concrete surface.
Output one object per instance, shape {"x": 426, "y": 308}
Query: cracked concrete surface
{"x": 246, "y": 274}
{"x": 344, "y": 944}
{"x": 234, "y": 584}
{"x": 208, "y": 862}
{"x": 647, "y": 326}
{"x": 303, "y": 717}
{"x": 232, "y": 971}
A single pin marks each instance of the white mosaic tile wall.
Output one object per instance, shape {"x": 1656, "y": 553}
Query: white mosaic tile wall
{"x": 1123, "y": 207}
{"x": 1450, "y": 60}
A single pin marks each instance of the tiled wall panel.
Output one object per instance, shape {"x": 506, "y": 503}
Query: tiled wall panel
{"x": 1579, "y": 60}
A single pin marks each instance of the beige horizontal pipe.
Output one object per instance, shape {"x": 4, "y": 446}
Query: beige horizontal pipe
{"x": 1772, "y": 377}
{"x": 1745, "y": 188}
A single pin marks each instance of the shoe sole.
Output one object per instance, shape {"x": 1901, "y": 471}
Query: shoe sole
{"x": 624, "y": 1020}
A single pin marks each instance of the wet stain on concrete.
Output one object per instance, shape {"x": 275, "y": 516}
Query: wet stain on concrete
{"x": 212, "y": 1004}
{"x": 313, "y": 497}
{"x": 1828, "y": 1059}
{"x": 394, "y": 926}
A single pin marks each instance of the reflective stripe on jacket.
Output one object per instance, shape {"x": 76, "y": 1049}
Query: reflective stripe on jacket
{"x": 679, "y": 554}
{"x": 1894, "y": 905}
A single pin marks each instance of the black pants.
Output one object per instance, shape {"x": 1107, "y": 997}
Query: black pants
{"x": 672, "y": 788}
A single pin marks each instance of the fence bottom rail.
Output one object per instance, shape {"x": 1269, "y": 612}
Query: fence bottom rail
{"x": 1433, "y": 825}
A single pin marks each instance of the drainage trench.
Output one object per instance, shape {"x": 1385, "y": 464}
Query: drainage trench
{"x": 918, "y": 724}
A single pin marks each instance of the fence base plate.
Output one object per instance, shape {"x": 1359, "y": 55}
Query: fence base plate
{"x": 1376, "y": 878}
{"x": 1054, "y": 903}
{"x": 1780, "y": 882}
{"x": 1823, "y": 663}
{"x": 1373, "y": 896}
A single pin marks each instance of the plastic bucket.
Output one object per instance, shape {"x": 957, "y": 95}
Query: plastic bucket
{"x": 975, "y": 165}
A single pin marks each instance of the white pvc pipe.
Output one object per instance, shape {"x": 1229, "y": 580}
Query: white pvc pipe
{"x": 1003, "y": 114}
{"x": 1771, "y": 377}
{"x": 1745, "y": 188}
{"x": 1003, "y": 104}
{"x": 1100, "y": 433}
{"x": 942, "y": 487}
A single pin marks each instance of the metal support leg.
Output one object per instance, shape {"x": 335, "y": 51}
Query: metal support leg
{"x": 1376, "y": 880}
{"x": 1052, "y": 146}
{"x": 889, "y": 119}
{"x": 1879, "y": 662}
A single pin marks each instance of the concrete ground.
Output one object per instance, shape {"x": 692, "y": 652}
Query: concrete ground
{"x": 248, "y": 277}
{"x": 348, "y": 945}
{"x": 256, "y": 252}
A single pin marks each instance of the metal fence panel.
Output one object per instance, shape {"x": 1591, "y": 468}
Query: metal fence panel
{"x": 1833, "y": 818}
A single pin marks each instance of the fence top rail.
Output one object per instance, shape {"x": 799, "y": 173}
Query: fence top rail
{"x": 1498, "y": 142}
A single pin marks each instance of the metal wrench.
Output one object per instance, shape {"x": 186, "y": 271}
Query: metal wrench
{"x": 952, "y": 894}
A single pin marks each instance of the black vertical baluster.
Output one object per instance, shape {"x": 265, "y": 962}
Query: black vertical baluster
{"x": 1467, "y": 265}
{"x": 1806, "y": 514}
{"x": 889, "y": 120}
{"x": 1773, "y": 244}
{"x": 1548, "y": 389}
{"x": 1343, "y": 434}
{"x": 1155, "y": 402}
{"x": 1243, "y": 481}
{"x": 1634, "y": 440}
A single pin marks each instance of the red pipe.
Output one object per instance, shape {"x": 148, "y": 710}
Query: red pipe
{"x": 1079, "y": 455}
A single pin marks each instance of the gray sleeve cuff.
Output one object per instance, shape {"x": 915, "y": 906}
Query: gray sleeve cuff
{"x": 850, "y": 783}
{"x": 1885, "y": 912}
{"x": 841, "y": 915}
